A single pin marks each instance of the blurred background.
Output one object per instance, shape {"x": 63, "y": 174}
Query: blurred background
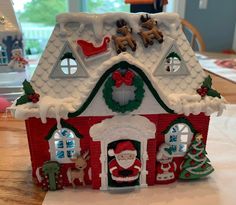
{"x": 215, "y": 19}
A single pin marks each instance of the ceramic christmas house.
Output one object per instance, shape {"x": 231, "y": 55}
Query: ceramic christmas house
{"x": 118, "y": 100}
{"x": 11, "y": 47}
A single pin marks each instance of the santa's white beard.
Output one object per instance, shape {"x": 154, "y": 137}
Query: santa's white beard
{"x": 125, "y": 163}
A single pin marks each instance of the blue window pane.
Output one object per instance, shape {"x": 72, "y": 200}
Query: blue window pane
{"x": 70, "y": 144}
{"x": 173, "y": 138}
{"x": 182, "y": 148}
{"x": 70, "y": 153}
{"x": 175, "y": 129}
{"x": 66, "y": 133}
{"x": 59, "y": 144}
{"x": 60, "y": 154}
{"x": 173, "y": 148}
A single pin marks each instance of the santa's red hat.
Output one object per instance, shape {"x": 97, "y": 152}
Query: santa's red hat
{"x": 125, "y": 147}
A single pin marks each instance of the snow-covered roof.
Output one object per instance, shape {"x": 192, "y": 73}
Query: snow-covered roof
{"x": 178, "y": 92}
{"x": 10, "y": 24}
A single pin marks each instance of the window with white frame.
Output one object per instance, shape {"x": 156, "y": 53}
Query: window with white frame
{"x": 173, "y": 62}
{"x": 68, "y": 64}
{"x": 179, "y": 138}
{"x": 3, "y": 55}
{"x": 63, "y": 145}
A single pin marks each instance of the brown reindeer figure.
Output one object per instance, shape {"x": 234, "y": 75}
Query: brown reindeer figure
{"x": 151, "y": 31}
{"x": 126, "y": 38}
{"x": 80, "y": 165}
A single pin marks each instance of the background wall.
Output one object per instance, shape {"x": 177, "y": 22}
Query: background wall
{"x": 216, "y": 23}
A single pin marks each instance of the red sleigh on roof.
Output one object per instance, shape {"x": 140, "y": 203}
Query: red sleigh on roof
{"x": 89, "y": 49}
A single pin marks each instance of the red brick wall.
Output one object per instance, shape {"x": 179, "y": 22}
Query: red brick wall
{"x": 96, "y": 164}
{"x": 151, "y": 162}
{"x": 39, "y": 148}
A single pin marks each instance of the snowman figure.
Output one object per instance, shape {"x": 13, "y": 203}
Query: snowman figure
{"x": 165, "y": 166}
{"x": 17, "y": 61}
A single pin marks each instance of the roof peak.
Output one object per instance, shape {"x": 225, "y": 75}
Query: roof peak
{"x": 170, "y": 21}
{"x": 81, "y": 16}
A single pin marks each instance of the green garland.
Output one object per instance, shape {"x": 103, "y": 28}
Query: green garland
{"x": 132, "y": 104}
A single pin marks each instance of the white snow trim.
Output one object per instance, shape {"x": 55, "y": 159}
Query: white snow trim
{"x": 38, "y": 176}
{"x": 112, "y": 169}
{"x": 121, "y": 125}
{"x": 170, "y": 21}
{"x": 187, "y": 104}
{"x": 47, "y": 107}
{"x": 137, "y": 167}
{"x": 124, "y": 179}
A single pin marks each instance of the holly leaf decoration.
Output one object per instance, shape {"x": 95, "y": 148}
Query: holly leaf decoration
{"x": 207, "y": 82}
{"x": 213, "y": 93}
{"x": 29, "y": 96}
{"x": 22, "y": 100}
{"x": 28, "y": 88}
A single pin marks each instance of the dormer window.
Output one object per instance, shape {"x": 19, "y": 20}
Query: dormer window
{"x": 3, "y": 55}
{"x": 68, "y": 64}
{"x": 173, "y": 62}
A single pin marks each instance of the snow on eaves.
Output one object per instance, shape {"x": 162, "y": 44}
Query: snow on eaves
{"x": 170, "y": 21}
{"x": 187, "y": 104}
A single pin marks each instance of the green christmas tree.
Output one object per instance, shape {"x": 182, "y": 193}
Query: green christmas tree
{"x": 196, "y": 164}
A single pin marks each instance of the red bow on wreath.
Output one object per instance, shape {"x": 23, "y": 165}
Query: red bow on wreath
{"x": 119, "y": 79}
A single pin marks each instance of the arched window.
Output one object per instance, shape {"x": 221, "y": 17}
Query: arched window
{"x": 179, "y": 136}
{"x": 3, "y": 55}
{"x": 63, "y": 145}
{"x": 68, "y": 64}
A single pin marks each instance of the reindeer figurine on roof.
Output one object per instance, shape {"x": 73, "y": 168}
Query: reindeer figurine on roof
{"x": 121, "y": 42}
{"x": 152, "y": 32}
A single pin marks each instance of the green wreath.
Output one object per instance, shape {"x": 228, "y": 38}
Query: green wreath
{"x": 132, "y": 104}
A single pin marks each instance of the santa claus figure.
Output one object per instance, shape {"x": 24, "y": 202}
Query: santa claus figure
{"x": 165, "y": 166}
{"x": 125, "y": 167}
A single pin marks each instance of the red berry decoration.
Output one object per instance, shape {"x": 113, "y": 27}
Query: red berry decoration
{"x": 192, "y": 162}
{"x": 34, "y": 98}
{"x": 194, "y": 151}
{"x": 202, "y": 91}
{"x": 187, "y": 175}
{"x": 201, "y": 155}
{"x": 203, "y": 166}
